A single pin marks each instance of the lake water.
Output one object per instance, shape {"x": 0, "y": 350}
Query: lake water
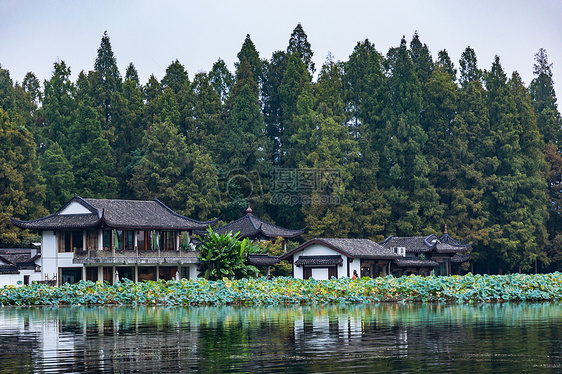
{"x": 391, "y": 338}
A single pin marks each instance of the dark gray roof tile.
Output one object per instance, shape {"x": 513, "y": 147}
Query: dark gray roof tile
{"x": 415, "y": 263}
{"x": 250, "y": 226}
{"x": 134, "y": 214}
{"x": 319, "y": 260}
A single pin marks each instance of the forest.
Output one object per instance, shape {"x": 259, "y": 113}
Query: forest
{"x": 400, "y": 144}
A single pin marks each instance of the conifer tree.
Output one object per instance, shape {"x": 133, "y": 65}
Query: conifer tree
{"x": 249, "y": 53}
{"x": 544, "y": 99}
{"x": 22, "y": 189}
{"x": 58, "y": 105}
{"x": 162, "y": 172}
{"x": 274, "y": 71}
{"x": 295, "y": 80}
{"x": 298, "y": 43}
{"x": 421, "y": 58}
{"x": 207, "y": 127}
{"x": 128, "y": 111}
{"x": 59, "y": 178}
{"x": 404, "y": 168}
{"x": 469, "y": 71}
{"x": 108, "y": 80}
{"x": 90, "y": 155}
{"x": 222, "y": 79}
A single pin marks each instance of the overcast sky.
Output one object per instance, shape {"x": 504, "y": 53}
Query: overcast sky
{"x": 152, "y": 34}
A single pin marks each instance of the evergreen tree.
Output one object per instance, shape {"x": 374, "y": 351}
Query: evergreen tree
{"x": 421, "y": 58}
{"x": 22, "y": 189}
{"x": 32, "y": 85}
{"x": 544, "y": 99}
{"x": 222, "y": 79}
{"x": 58, "y": 106}
{"x": 445, "y": 63}
{"x": 249, "y": 53}
{"x": 162, "y": 171}
{"x": 177, "y": 81}
{"x": 108, "y": 79}
{"x": 245, "y": 144}
{"x": 533, "y": 202}
{"x": 469, "y": 71}
{"x": 295, "y": 80}
{"x": 207, "y": 127}
{"x": 365, "y": 93}
{"x": 404, "y": 168}
{"x": 90, "y": 155}
{"x": 132, "y": 75}
{"x": 274, "y": 71}
{"x": 298, "y": 43}
{"x": 59, "y": 178}
{"x": 128, "y": 111}
{"x": 516, "y": 211}
{"x": 203, "y": 202}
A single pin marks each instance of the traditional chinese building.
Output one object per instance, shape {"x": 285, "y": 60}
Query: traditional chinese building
{"x": 102, "y": 239}
{"x": 425, "y": 255}
{"x": 19, "y": 266}
{"x": 256, "y": 229}
{"x": 324, "y": 258}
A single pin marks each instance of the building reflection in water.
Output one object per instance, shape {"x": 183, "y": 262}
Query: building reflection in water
{"x": 278, "y": 339}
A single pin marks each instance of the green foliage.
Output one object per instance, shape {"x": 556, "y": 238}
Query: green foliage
{"x": 22, "y": 189}
{"x": 225, "y": 256}
{"x": 468, "y": 289}
{"x": 416, "y": 148}
{"x": 59, "y": 177}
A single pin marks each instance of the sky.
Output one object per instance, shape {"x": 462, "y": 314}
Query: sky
{"x": 152, "y": 34}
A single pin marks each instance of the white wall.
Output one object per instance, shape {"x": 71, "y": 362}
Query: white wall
{"x": 13, "y": 279}
{"x": 321, "y": 250}
{"x": 75, "y": 208}
{"x": 51, "y": 259}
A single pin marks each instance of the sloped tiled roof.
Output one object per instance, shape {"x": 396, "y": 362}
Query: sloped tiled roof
{"x": 460, "y": 258}
{"x": 414, "y": 244}
{"x": 355, "y": 248}
{"x": 13, "y": 260}
{"x": 133, "y": 214}
{"x": 422, "y": 244}
{"x": 415, "y": 263}
{"x": 262, "y": 259}
{"x": 250, "y": 226}
{"x": 319, "y": 260}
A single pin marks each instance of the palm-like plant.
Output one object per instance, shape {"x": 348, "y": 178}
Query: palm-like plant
{"x": 224, "y": 255}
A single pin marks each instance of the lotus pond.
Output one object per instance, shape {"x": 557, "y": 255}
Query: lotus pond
{"x": 314, "y": 338}
{"x": 470, "y": 289}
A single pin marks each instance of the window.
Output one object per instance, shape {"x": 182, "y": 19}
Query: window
{"x": 107, "y": 240}
{"x": 92, "y": 240}
{"x": 143, "y": 240}
{"x": 92, "y": 274}
{"x": 120, "y": 239}
{"x": 70, "y": 241}
{"x": 168, "y": 241}
{"x": 128, "y": 240}
{"x": 401, "y": 251}
{"x": 70, "y": 275}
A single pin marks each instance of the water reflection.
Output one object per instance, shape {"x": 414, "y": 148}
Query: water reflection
{"x": 366, "y": 338}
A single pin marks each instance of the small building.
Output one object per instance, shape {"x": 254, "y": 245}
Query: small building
{"x": 256, "y": 229}
{"x": 324, "y": 258}
{"x": 105, "y": 239}
{"x": 426, "y": 255}
{"x": 19, "y": 266}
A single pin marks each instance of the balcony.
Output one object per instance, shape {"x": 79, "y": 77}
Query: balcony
{"x": 135, "y": 257}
